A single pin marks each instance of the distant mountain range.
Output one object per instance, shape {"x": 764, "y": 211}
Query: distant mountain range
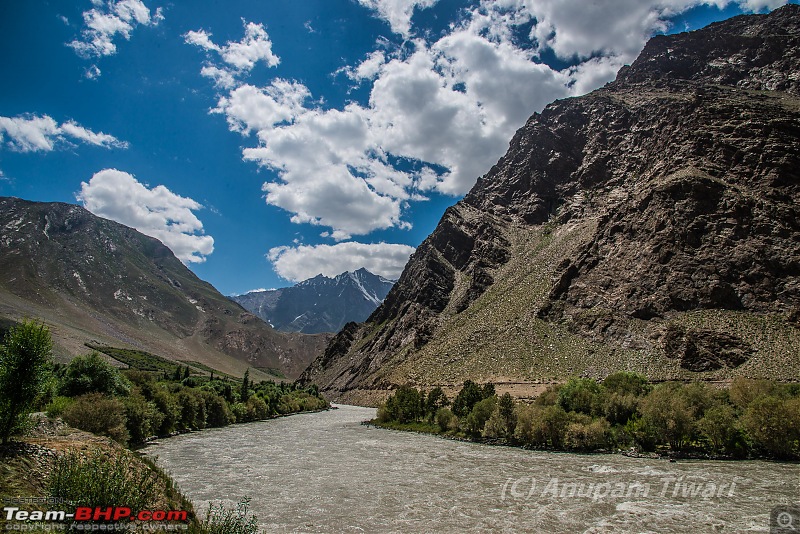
{"x": 97, "y": 281}
{"x": 319, "y": 304}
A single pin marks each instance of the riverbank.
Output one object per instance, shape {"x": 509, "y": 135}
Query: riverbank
{"x": 432, "y": 430}
{"x": 27, "y": 466}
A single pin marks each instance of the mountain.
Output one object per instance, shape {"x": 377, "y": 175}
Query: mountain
{"x": 94, "y": 280}
{"x": 652, "y": 225}
{"x": 319, "y": 304}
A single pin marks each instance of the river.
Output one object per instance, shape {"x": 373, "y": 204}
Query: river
{"x": 325, "y": 472}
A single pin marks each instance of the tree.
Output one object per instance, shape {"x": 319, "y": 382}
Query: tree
{"x": 24, "y": 371}
{"x": 627, "y": 383}
{"x": 404, "y": 406}
{"x": 469, "y": 396}
{"x": 92, "y": 374}
{"x": 244, "y": 393}
{"x": 186, "y": 373}
{"x": 480, "y": 413}
{"x": 667, "y": 411}
{"x": 436, "y": 399}
{"x": 581, "y": 395}
{"x": 773, "y": 425}
{"x": 508, "y": 414}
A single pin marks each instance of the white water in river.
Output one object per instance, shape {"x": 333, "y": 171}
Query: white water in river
{"x": 325, "y": 472}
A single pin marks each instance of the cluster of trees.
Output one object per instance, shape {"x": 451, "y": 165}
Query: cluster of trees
{"x": 750, "y": 418}
{"x": 128, "y": 405}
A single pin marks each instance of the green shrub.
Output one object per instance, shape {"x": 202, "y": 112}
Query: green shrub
{"x": 217, "y": 411}
{"x": 142, "y": 417}
{"x": 188, "y": 410}
{"x": 239, "y": 411}
{"x": 480, "y": 413}
{"x": 744, "y": 391}
{"x": 98, "y": 414}
{"x": 57, "y": 406}
{"x": 581, "y": 395}
{"x": 618, "y": 408}
{"x": 549, "y": 397}
{"x": 587, "y": 435}
{"x": 24, "y": 372}
{"x": 92, "y": 374}
{"x": 719, "y": 427}
{"x": 103, "y": 479}
{"x": 666, "y": 410}
{"x": 167, "y": 404}
{"x": 221, "y": 520}
{"x": 773, "y": 424}
{"x": 549, "y": 426}
{"x": 446, "y": 420}
{"x": 256, "y": 409}
{"x": 503, "y": 420}
{"x": 627, "y": 383}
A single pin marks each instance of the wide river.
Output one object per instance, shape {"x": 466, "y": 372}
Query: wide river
{"x": 325, "y": 472}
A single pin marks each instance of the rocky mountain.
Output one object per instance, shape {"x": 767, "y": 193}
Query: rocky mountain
{"x": 94, "y": 280}
{"x": 652, "y": 225}
{"x": 319, "y": 304}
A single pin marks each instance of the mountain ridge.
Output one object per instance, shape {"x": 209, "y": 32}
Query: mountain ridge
{"x": 94, "y": 280}
{"x": 319, "y": 304}
{"x": 650, "y": 225}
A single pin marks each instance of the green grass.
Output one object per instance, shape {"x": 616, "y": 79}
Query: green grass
{"x": 271, "y": 371}
{"x": 137, "y": 359}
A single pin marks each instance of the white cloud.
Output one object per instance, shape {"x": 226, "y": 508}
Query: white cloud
{"x": 33, "y": 133}
{"x": 250, "y": 108}
{"x": 304, "y": 262}
{"x": 239, "y": 57}
{"x": 157, "y": 212}
{"x": 397, "y": 13}
{"x": 446, "y": 106}
{"x": 107, "y": 20}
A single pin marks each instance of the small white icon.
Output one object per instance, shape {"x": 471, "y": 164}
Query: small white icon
{"x": 785, "y": 520}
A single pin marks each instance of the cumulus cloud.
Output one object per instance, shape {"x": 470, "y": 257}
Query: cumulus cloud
{"x": 32, "y": 133}
{"x": 106, "y": 21}
{"x": 239, "y": 57}
{"x": 157, "y": 212}
{"x": 397, "y": 13}
{"x": 304, "y": 262}
{"x": 446, "y": 107}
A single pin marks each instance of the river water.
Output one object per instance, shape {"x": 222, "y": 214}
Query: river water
{"x": 325, "y": 472}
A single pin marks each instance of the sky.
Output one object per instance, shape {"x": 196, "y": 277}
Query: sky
{"x": 268, "y": 141}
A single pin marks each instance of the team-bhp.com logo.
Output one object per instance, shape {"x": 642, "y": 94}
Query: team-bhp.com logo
{"x": 95, "y": 518}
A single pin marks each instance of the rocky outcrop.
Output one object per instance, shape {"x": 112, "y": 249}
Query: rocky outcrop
{"x": 651, "y": 225}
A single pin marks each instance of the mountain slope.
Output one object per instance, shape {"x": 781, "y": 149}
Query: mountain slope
{"x": 651, "y": 225}
{"x": 320, "y": 304}
{"x": 92, "y": 279}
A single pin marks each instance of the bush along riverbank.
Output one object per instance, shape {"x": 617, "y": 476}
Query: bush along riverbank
{"x": 623, "y": 413}
{"x": 76, "y": 452}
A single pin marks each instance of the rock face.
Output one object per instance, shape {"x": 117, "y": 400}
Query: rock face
{"x": 92, "y": 279}
{"x": 319, "y": 304}
{"x": 651, "y": 225}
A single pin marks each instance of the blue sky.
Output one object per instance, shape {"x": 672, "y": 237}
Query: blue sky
{"x": 269, "y": 141}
